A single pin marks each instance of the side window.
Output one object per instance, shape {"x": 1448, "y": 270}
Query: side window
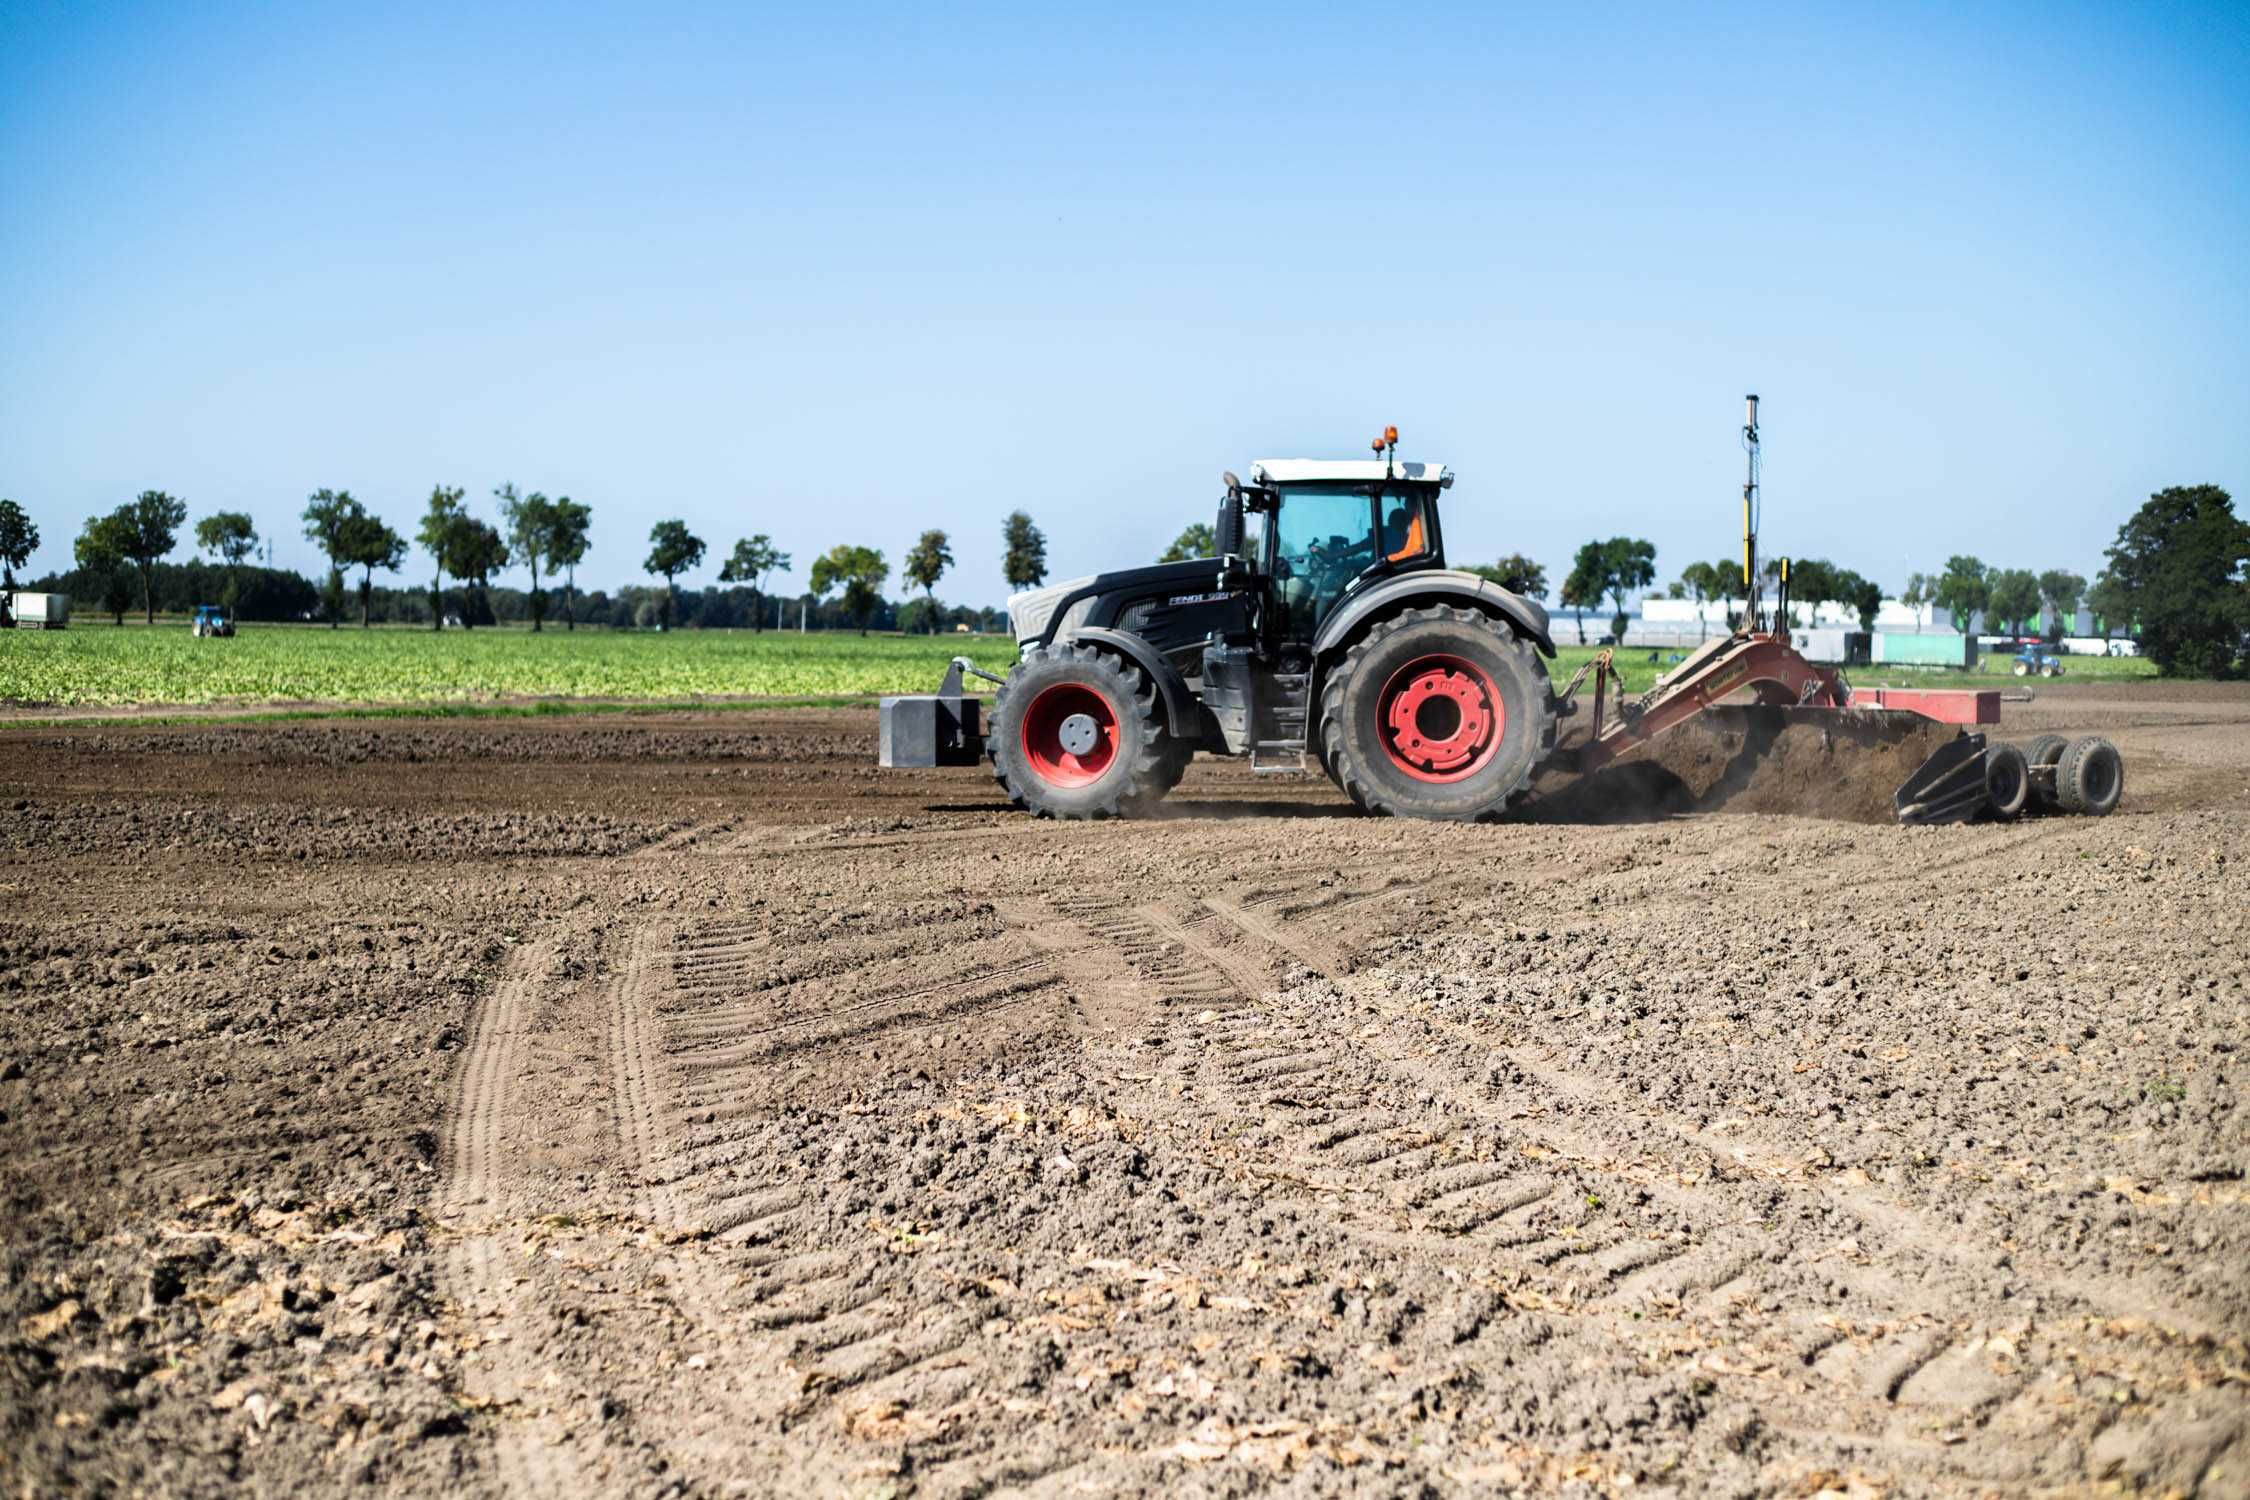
{"x": 1404, "y": 536}
{"x": 1254, "y": 534}
{"x": 1321, "y": 543}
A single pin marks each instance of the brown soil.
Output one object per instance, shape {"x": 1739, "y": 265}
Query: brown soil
{"x": 1846, "y": 766}
{"x": 681, "y": 1105}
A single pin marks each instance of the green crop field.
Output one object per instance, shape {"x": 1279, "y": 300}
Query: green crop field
{"x": 102, "y": 665}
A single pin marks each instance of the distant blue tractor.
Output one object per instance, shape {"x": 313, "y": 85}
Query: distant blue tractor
{"x": 210, "y": 620}
{"x": 2038, "y": 661}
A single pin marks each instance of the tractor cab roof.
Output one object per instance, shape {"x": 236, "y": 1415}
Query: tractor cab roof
{"x": 1273, "y": 472}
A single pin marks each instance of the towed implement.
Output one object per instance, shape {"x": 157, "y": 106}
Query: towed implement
{"x": 1328, "y": 632}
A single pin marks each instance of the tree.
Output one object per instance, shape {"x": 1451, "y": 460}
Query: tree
{"x": 328, "y": 515}
{"x": 18, "y": 540}
{"x": 1864, "y": 596}
{"x": 1588, "y": 580}
{"x": 1025, "y": 563}
{"x": 1963, "y": 589}
{"x": 1727, "y": 584}
{"x": 230, "y": 536}
{"x": 151, "y": 523}
{"x": 672, "y": 551}
{"x": 926, "y": 564}
{"x": 2012, "y": 596}
{"x": 1816, "y": 580}
{"x": 474, "y": 551}
{"x": 566, "y": 549}
{"x": 368, "y": 544}
{"x": 1811, "y": 581}
{"x": 1516, "y": 573}
{"x": 1701, "y": 582}
{"x": 756, "y": 559}
{"x": 1920, "y": 590}
{"x": 2062, "y": 589}
{"x": 2181, "y": 568}
{"x": 1197, "y": 541}
{"x": 436, "y": 536}
{"x": 860, "y": 571}
{"x": 530, "y": 520}
{"x": 2112, "y": 604}
{"x": 101, "y": 549}
{"x": 1629, "y": 564}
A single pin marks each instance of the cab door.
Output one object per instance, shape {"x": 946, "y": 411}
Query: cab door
{"x": 1322, "y": 542}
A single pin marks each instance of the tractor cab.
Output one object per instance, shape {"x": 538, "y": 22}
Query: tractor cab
{"x": 1314, "y": 531}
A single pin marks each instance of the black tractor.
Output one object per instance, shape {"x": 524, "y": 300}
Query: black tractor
{"x": 1328, "y": 626}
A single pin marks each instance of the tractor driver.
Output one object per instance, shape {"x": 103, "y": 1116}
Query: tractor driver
{"x": 1403, "y": 536}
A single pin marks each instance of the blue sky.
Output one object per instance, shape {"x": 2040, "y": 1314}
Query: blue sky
{"x": 838, "y": 274}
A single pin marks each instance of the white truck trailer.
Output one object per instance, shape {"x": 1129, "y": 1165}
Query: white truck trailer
{"x": 39, "y": 611}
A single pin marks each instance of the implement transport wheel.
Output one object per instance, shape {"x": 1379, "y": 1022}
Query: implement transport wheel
{"x": 2090, "y": 777}
{"x": 2040, "y": 754}
{"x": 1439, "y": 712}
{"x": 2007, "y": 782}
{"x": 1077, "y": 733}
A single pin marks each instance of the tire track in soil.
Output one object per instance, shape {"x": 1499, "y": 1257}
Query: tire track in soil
{"x": 1902, "y": 1369}
{"x": 639, "y": 1103}
{"x": 1484, "y": 1182}
{"x": 818, "y": 1322}
{"x": 683, "y": 839}
{"x": 478, "y": 1204}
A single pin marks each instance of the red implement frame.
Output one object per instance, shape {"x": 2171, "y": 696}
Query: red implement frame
{"x": 1767, "y": 668}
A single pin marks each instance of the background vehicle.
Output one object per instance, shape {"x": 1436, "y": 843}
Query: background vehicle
{"x": 210, "y": 620}
{"x": 2037, "y": 660}
{"x": 28, "y": 611}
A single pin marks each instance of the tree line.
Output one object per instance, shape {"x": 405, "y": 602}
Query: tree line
{"x": 2177, "y": 578}
{"x": 120, "y": 558}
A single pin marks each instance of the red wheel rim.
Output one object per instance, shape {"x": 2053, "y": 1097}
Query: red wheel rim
{"x": 1440, "y": 718}
{"x": 1048, "y": 734}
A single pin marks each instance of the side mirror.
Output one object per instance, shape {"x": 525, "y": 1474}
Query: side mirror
{"x": 1227, "y": 534}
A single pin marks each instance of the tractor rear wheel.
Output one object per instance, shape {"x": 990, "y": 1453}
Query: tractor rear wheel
{"x": 1439, "y": 712}
{"x": 1077, "y": 732}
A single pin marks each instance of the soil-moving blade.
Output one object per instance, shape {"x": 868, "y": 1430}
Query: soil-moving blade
{"x": 1949, "y": 787}
{"x": 1763, "y": 674}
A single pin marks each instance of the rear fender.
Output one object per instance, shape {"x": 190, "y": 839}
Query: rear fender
{"x": 1440, "y": 586}
{"x": 1182, "y": 718}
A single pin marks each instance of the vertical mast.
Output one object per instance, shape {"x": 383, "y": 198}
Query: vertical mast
{"x": 1750, "y": 516}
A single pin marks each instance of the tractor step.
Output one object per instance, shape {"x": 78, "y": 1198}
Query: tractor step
{"x": 1278, "y": 757}
{"x": 1283, "y": 718}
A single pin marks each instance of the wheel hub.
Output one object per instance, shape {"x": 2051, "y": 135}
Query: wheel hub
{"x": 1439, "y": 718}
{"x": 1078, "y": 733}
{"x": 1069, "y": 734}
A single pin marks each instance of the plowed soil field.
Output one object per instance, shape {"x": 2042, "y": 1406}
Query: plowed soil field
{"x": 681, "y": 1106}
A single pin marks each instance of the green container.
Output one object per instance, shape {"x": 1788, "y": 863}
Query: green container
{"x": 1947, "y": 650}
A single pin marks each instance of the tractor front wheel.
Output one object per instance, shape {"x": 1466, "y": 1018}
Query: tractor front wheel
{"x": 1438, "y": 712}
{"x": 1077, "y": 732}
